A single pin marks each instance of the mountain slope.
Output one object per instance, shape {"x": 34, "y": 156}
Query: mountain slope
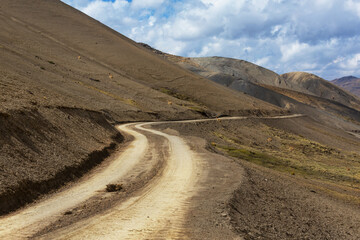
{"x": 302, "y": 93}
{"x": 239, "y": 69}
{"x": 319, "y": 87}
{"x": 102, "y": 51}
{"x": 66, "y": 80}
{"x": 247, "y": 77}
{"x": 349, "y": 83}
{"x": 65, "y": 77}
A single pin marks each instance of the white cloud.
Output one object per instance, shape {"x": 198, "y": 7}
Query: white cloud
{"x": 262, "y": 61}
{"x": 146, "y": 3}
{"x": 351, "y": 63}
{"x": 152, "y": 21}
{"x": 293, "y": 49}
{"x": 353, "y": 6}
{"x": 320, "y": 35}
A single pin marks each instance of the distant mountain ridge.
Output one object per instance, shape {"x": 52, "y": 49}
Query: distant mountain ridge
{"x": 317, "y": 86}
{"x": 298, "y": 92}
{"x": 349, "y": 83}
{"x": 246, "y": 77}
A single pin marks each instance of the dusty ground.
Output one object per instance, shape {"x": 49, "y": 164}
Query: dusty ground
{"x": 278, "y": 201}
{"x": 65, "y": 79}
{"x": 169, "y": 191}
{"x": 273, "y": 206}
{"x": 196, "y": 189}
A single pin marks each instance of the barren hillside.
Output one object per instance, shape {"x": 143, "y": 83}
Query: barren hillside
{"x": 349, "y": 83}
{"x": 88, "y": 148}
{"x": 64, "y": 77}
{"x": 317, "y": 86}
{"x": 301, "y": 93}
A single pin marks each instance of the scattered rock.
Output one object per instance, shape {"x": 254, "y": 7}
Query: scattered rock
{"x": 95, "y": 80}
{"x": 68, "y": 212}
{"x": 114, "y": 187}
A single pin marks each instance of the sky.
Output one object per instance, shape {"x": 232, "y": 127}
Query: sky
{"x": 316, "y": 36}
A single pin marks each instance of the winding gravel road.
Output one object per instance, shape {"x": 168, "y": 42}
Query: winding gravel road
{"x": 158, "y": 211}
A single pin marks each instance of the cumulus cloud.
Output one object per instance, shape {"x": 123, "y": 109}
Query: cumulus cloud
{"x": 319, "y": 36}
{"x": 146, "y": 3}
{"x": 353, "y": 6}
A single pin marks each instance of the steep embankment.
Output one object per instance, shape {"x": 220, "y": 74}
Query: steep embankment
{"x": 42, "y": 149}
{"x": 65, "y": 76}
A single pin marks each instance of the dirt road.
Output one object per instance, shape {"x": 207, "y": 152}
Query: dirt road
{"x": 157, "y": 211}
{"x": 26, "y": 222}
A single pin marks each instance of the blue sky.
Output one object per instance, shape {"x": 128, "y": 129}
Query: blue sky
{"x": 317, "y": 36}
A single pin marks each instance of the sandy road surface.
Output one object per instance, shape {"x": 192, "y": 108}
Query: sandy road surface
{"x": 158, "y": 211}
{"x": 25, "y": 223}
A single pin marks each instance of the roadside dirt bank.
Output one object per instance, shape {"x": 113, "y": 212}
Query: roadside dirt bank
{"x": 186, "y": 199}
{"x": 188, "y": 189}
{"x": 143, "y": 174}
{"x": 43, "y": 149}
{"x": 50, "y": 208}
{"x": 27, "y": 221}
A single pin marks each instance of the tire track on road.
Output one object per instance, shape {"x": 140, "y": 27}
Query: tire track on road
{"x": 26, "y": 222}
{"x": 157, "y": 211}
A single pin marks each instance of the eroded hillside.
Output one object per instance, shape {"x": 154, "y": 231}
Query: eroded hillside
{"x": 66, "y": 77}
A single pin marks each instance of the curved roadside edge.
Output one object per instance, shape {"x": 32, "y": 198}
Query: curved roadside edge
{"x": 150, "y": 213}
{"x": 157, "y": 211}
{"x": 27, "y": 221}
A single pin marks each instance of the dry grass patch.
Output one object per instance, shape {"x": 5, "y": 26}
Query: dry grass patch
{"x": 294, "y": 154}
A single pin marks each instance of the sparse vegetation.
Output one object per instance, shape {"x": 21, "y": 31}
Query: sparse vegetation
{"x": 295, "y": 155}
{"x": 193, "y": 105}
{"x": 175, "y": 94}
{"x": 288, "y": 166}
{"x": 128, "y": 101}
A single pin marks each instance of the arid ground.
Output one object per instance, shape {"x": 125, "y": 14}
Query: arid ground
{"x": 105, "y": 138}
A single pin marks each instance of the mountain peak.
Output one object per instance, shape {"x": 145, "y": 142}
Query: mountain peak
{"x": 350, "y": 83}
